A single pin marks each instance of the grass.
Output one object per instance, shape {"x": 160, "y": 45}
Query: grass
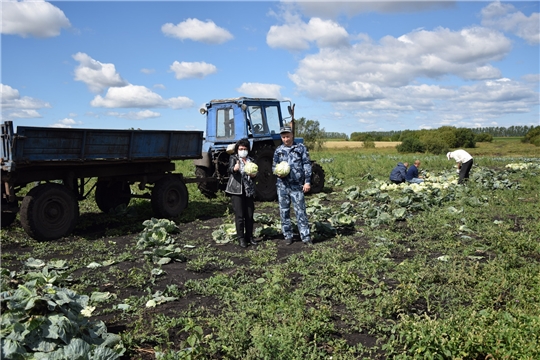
{"x": 460, "y": 284}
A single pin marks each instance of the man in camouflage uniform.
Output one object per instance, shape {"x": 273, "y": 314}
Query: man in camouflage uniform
{"x": 293, "y": 186}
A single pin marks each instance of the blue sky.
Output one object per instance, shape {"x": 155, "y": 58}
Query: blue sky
{"x": 353, "y": 66}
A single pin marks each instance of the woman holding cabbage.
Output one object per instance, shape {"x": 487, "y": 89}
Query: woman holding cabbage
{"x": 241, "y": 188}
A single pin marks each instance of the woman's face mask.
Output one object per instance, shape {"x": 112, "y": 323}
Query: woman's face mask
{"x": 242, "y": 153}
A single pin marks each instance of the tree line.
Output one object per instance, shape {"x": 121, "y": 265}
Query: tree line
{"x": 435, "y": 141}
{"x": 494, "y": 131}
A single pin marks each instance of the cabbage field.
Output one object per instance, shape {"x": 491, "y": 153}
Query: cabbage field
{"x": 431, "y": 271}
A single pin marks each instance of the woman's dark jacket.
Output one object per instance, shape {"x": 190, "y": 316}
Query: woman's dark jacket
{"x": 237, "y": 179}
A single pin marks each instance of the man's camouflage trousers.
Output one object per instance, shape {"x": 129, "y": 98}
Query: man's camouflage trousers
{"x": 294, "y": 194}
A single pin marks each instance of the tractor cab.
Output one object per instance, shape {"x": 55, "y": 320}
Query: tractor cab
{"x": 229, "y": 120}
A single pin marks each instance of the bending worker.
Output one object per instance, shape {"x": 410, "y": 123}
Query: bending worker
{"x": 464, "y": 161}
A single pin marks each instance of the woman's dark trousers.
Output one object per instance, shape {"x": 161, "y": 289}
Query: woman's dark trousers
{"x": 243, "y": 211}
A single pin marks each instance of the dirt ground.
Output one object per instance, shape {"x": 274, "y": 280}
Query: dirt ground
{"x": 177, "y": 274}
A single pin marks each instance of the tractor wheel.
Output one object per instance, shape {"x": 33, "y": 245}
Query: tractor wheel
{"x": 110, "y": 194}
{"x": 208, "y": 189}
{"x": 265, "y": 181}
{"x": 317, "y": 178}
{"x": 169, "y": 197}
{"x": 49, "y": 211}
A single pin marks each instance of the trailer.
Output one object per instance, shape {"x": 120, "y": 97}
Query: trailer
{"x": 61, "y": 161}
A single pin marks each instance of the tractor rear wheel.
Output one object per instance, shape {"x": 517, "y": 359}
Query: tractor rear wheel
{"x": 265, "y": 181}
{"x": 317, "y": 178}
{"x": 207, "y": 188}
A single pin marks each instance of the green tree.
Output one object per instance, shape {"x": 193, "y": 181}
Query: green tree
{"x": 532, "y": 136}
{"x": 465, "y": 138}
{"x": 436, "y": 145}
{"x": 483, "y": 137}
{"x": 411, "y": 145}
{"x": 448, "y": 135}
{"x": 311, "y": 132}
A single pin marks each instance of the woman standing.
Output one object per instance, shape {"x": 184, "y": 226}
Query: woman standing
{"x": 242, "y": 190}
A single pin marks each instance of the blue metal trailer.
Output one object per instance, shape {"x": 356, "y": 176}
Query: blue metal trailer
{"x": 60, "y": 161}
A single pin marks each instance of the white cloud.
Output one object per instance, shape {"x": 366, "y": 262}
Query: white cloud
{"x": 505, "y": 17}
{"x": 96, "y": 75}
{"x": 25, "y": 107}
{"x": 148, "y": 71}
{"x": 500, "y": 95}
{"x": 363, "y": 71}
{"x": 135, "y": 96}
{"x": 180, "y": 102}
{"x": 66, "y": 123}
{"x": 437, "y": 106}
{"x": 532, "y": 78}
{"x": 8, "y": 93}
{"x": 135, "y": 115}
{"x": 258, "y": 90}
{"x": 331, "y": 9}
{"x": 24, "y": 114}
{"x": 297, "y": 35}
{"x": 32, "y": 18}
{"x": 186, "y": 70}
{"x": 194, "y": 29}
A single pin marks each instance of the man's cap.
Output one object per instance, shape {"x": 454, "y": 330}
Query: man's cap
{"x": 285, "y": 129}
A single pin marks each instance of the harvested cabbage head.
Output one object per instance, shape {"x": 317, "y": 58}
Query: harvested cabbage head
{"x": 251, "y": 168}
{"x": 282, "y": 169}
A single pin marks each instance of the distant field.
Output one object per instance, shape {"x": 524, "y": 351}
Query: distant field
{"x": 509, "y": 138}
{"x": 358, "y": 144}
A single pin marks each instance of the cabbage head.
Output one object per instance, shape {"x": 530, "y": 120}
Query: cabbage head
{"x": 251, "y": 168}
{"x": 282, "y": 169}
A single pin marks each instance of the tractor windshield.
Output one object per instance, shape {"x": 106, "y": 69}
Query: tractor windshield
{"x": 264, "y": 120}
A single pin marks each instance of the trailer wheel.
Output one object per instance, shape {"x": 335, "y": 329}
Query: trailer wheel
{"x": 317, "y": 178}
{"x": 49, "y": 211}
{"x": 265, "y": 181}
{"x": 207, "y": 188}
{"x": 169, "y": 197}
{"x": 8, "y": 217}
{"x": 111, "y": 194}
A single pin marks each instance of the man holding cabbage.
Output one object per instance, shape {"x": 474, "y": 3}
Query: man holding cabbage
{"x": 292, "y": 166}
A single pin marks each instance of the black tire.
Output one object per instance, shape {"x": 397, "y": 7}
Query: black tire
{"x": 169, "y": 197}
{"x": 265, "y": 181}
{"x": 317, "y": 178}
{"x": 9, "y": 211}
{"x": 49, "y": 212}
{"x": 7, "y": 219}
{"x": 208, "y": 189}
{"x": 111, "y": 194}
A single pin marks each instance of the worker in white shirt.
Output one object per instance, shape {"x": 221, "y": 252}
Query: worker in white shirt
{"x": 464, "y": 161}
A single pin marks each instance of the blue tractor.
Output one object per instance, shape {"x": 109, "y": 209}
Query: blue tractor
{"x": 257, "y": 119}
